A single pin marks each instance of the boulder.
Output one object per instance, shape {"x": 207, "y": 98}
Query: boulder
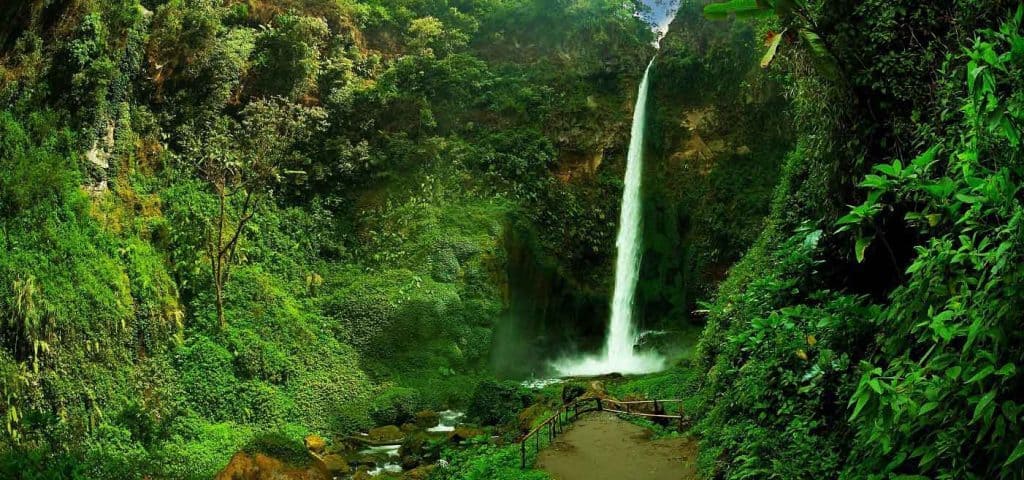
{"x": 419, "y": 473}
{"x": 362, "y": 474}
{"x": 261, "y": 467}
{"x": 315, "y": 444}
{"x": 427, "y": 419}
{"x": 462, "y": 433}
{"x": 409, "y": 428}
{"x": 410, "y": 462}
{"x": 333, "y": 465}
{"x": 343, "y": 446}
{"x": 389, "y": 433}
{"x": 424, "y": 445}
{"x": 367, "y": 458}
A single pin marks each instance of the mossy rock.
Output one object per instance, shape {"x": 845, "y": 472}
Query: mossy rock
{"x": 334, "y": 465}
{"x": 315, "y": 443}
{"x": 463, "y": 433}
{"x": 427, "y": 419}
{"x": 387, "y": 433}
{"x": 419, "y": 473}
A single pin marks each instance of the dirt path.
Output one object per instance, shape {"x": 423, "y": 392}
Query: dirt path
{"x": 602, "y": 446}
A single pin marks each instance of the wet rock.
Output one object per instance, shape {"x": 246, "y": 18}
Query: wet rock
{"x": 359, "y": 460}
{"x": 426, "y": 446}
{"x": 333, "y": 465}
{"x": 419, "y": 473}
{"x": 362, "y": 474}
{"x": 315, "y": 444}
{"x": 427, "y": 419}
{"x": 410, "y": 428}
{"x": 261, "y": 467}
{"x": 410, "y": 462}
{"x": 389, "y": 433}
{"x": 462, "y": 433}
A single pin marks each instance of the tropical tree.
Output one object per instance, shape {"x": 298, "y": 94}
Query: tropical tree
{"x": 243, "y": 161}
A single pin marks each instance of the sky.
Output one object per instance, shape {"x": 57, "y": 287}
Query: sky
{"x": 662, "y": 12}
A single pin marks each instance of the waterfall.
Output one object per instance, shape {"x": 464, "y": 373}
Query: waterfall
{"x": 619, "y": 354}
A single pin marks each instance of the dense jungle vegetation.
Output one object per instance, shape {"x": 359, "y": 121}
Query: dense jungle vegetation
{"x": 228, "y": 225}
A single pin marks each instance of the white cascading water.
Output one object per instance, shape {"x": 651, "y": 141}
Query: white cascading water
{"x": 619, "y": 354}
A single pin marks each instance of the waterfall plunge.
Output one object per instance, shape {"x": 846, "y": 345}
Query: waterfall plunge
{"x": 619, "y": 355}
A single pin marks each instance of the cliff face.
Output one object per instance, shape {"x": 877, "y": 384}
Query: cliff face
{"x": 715, "y": 149}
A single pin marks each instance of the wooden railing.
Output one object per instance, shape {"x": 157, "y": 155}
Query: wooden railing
{"x": 567, "y": 413}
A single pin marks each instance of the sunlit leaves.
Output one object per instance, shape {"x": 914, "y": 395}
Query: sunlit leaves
{"x": 793, "y": 13}
{"x": 773, "y": 46}
{"x": 740, "y": 8}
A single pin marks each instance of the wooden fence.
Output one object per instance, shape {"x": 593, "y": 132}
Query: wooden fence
{"x": 568, "y": 413}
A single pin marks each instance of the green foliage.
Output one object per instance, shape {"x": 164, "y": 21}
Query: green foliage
{"x": 342, "y": 171}
{"x": 916, "y": 378}
{"x": 944, "y": 381}
{"x": 284, "y": 445}
{"x": 497, "y": 403}
{"x": 198, "y": 449}
{"x": 396, "y": 406}
{"x": 485, "y": 461}
{"x": 287, "y": 55}
{"x": 794, "y": 14}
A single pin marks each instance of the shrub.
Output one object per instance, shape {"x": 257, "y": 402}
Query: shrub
{"x": 497, "y": 403}
{"x": 395, "y": 406}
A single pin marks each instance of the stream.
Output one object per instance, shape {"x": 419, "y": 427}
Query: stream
{"x": 389, "y": 456}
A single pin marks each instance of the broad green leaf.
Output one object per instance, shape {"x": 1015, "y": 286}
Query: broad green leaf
{"x": 969, "y": 198}
{"x": 848, "y": 219}
{"x": 740, "y": 8}
{"x": 926, "y": 158}
{"x": 892, "y": 170}
{"x": 927, "y": 408}
{"x": 941, "y": 188}
{"x": 983, "y": 404}
{"x": 773, "y": 47}
{"x": 1017, "y": 454}
{"x": 1007, "y": 370}
{"x": 982, "y": 374}
{"x": 823, "y": 58}
{"x": 861, "y": 247}
{"x": 861, "y": 401}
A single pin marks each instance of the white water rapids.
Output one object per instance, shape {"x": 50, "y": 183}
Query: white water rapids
{"x": 618, "y": 354}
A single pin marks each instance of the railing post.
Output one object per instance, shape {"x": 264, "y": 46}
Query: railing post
{"x": 522, "y": 454}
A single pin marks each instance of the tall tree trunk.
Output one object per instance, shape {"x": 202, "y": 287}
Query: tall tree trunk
{"x": 217, "y": 259}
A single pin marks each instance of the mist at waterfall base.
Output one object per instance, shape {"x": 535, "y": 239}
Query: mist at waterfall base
{"x": 619, "y": 354}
